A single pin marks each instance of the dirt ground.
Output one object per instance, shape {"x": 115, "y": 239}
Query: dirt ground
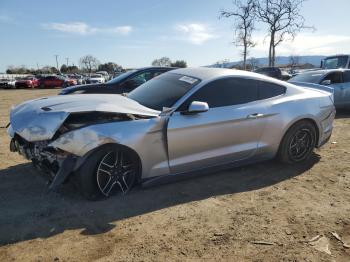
{"x": 263, "y": 212}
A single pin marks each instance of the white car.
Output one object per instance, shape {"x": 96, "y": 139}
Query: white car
{"x": 104, "y": 74}
{"x": 96, "y": 79}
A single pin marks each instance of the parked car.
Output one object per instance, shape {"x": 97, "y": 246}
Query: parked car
{"x": 337, "y": 79}
{"x": 336, "y": 62}
{"x": 182, "y": 122}
{"x": 56, "y": 81}
{"x": 273, "y": 72}
{"x": 96, "y": 79}
{"x": 104, "y": 74}
{"x": 123, "y": 83}
{"x": 11, "y": 84}
{"x": 4, "y": 82}
{"x": 78, "y": 78}
{"x": 27, "y": 82}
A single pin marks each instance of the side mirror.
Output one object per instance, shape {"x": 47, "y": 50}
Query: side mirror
{"x": 326, "y": 82}
{"x": 197, "y": 107}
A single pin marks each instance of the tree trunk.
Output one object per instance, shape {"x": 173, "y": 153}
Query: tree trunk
{"x": 273, "y": 55}
{"x": 271, "y": 49}
{"x": 245, "y": 57}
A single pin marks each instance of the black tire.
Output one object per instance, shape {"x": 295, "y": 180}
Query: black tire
{"x": 298, "y": 143}
{"x": 65, "y": 85}
{"x": 90, "y": 180}
{"x": 42, "y": 86}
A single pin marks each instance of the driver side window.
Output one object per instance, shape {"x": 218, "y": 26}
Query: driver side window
{"x": 335, "y": 78}
{"x": 225, "y": 92}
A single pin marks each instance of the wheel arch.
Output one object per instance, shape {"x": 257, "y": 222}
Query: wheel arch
{"x": 131, "y": 151}
{"x": 308, "y": 119}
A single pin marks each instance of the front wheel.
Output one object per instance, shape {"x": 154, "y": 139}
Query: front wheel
{"x": 109, "y": 171}
{"x": 298, "y": 143}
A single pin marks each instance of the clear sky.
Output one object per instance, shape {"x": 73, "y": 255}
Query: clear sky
{"x": 133, "y": 33}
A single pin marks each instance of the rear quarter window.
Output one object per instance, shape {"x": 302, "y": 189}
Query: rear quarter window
{"x": 268, "y": 90}
{"x": 346, "y": 77}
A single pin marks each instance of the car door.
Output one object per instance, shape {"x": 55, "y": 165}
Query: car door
{"x": 229, "y": 131}
{"x": 52, "y": 81}
{"x": 58, "y": 82}
{"x": 346, "y": 88}
{"x": 46, "y": 81}
{"x": 336, "y": 79}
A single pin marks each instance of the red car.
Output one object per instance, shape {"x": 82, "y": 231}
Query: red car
{"x": 56, "y": 81}
{"x": 27, "y": 82}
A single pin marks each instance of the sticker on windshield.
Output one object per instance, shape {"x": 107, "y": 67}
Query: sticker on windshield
{"x": 188, "y": 79}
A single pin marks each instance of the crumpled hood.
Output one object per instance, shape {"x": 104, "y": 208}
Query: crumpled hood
{"x": 38, "y": 120}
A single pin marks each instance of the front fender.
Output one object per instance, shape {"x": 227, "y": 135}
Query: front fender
{"x": 146, "y": 137}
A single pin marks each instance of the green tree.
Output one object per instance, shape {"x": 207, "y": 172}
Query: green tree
{"x": 110, "y": 67}
{"x": 164, "y": 62}
{"x": 73, "y": 69}
{"x": 64, "y": 69}
{"x": 179, "y": 63}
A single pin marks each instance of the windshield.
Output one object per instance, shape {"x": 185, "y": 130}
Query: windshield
{"x": 311, "y": 77}
{"x": 163, "y": 91}
{"x": 121, "y": 77}
{"x": 335, "y": 62}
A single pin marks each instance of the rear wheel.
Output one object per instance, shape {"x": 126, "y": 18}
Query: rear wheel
{"x": 298, "y": 143}
{"x": 109, "y": 171}
{"x": 42, "y": 85}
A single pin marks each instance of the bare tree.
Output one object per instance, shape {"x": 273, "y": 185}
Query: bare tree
{"x": 254, "y": 63}
{"x": 221, "y": 63}
{"x": 164, "y": 61}
{"x": 283, "y": 19}
{"x": 89, "y": 63}
{"x": 244, "y": 16}
{"x": 294, "y": 61}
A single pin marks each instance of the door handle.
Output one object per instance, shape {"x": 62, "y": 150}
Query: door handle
{"x": 255, "y": 116}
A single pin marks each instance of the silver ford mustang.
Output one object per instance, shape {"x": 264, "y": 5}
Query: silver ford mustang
{"x": 182, "y": 122}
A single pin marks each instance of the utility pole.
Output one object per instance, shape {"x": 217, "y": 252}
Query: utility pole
{"x": 57, "y": 62}
{"x": 67, "y": 59}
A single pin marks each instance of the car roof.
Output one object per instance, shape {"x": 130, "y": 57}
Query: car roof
{"x": 207, "y": 73}
{"x": 326, "y": 71}
{"x": 156, "y": 67}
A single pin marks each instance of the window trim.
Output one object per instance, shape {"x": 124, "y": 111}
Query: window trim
{"x": 204, "y": 84}
{"x": 263, "y": 99}
{"x": 334, "y": 72}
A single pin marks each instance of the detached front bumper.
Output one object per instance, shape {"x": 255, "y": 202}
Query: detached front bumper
{"x": 57, "y": 164}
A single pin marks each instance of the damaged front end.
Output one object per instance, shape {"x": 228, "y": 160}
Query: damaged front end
{"x": 55, "y": 163}
{"x": 36, "y": 125}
